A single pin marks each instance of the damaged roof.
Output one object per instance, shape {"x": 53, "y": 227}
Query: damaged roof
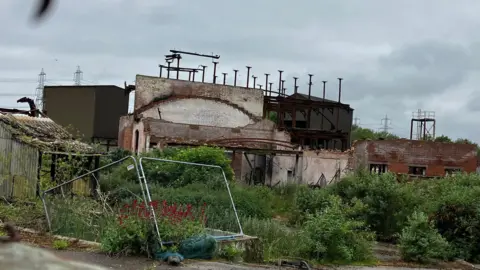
{"x": 44, "y": 134}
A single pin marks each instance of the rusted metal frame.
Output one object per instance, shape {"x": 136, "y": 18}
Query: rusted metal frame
{"x": 304, "y": 103}
{"x": 252, "y": 141}
{"x": 238, "y": 139}
{"x": 317, "y": 111}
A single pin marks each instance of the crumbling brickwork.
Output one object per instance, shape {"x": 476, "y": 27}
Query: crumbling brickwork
{"x": 149, "y": 89}
{"x": 401, "y": 155}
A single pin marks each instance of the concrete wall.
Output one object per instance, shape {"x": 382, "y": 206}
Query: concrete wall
{"x": 149, "y": 89}
{"x": 400, "y": 154}
{"x": 197, "y": 111}
{"x": 307, "y": 168}
{"x": 316, "y": 163}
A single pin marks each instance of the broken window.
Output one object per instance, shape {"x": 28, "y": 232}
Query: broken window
{"x": 417, "y": 170}
{"x": 452, "y": 171}
{"x": 378, "y": 168}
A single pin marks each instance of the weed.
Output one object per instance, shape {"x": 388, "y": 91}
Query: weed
{"x": 60, "y": 244}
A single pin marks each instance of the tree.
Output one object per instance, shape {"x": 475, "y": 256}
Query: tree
{"x": 443, "y": 138}
{"x": 359, "y": 133}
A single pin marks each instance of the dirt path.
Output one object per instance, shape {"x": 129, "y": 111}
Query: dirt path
{"x": 133, "y": 263}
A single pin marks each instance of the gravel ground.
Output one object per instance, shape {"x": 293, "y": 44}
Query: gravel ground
{"x": 132, "y": 263}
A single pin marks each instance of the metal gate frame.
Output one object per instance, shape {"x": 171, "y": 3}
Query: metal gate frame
{"x": 186, "y": 163}
{"x": 44, "y": 193}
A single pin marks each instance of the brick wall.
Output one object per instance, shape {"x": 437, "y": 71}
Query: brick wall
{"x": 125, "y": 132}
{"x": 400, "y": 154}
{"x": 155, "y": 88}
{"x": 196, "y": 134}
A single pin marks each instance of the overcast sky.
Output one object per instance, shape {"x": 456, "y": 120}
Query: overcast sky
{"x": 395, "y": 56}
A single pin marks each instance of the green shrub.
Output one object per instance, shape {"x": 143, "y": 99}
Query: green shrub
{"x": 138, "y": 236}
{"x": 131, "y": 238}
{"x": 420, "y": 241}
{"x": 331, "y": 235}
{"x": 389, "y": 203}
{"x": 457, "y": 218}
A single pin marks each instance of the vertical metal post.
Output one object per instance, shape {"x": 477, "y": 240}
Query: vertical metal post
{"x": 280, "y": 82}
{"x": 248, "y": 75}
{"x": 270, "y": 90}
{"x": 295, "y": 84}
{"x": 224, "y": 78}
{"x": 266, "y": 84}
{"x": 323, "y": 109}
{"x": 283, "y": 87}
{"x": 235, "y": 78}
{"x": 254, "y": 81}
{"x": 339, "y": 96}
{"x": 193, "y": 75}
{"x": 168, "y": 69}
{"x": 178, "y": 65}
{"x": 203, "y": 74}
{"x": 310, "y": 85}
{"x": 215, "y": 71}
{"x": 160, "y": 73}
{"x": 339, "y": 89}
{"x": 189, "y": 76}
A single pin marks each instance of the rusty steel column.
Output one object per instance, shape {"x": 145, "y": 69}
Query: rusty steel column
{"x": 266, "y": 83}
{"x": 323, "y": 109}
{"x": 168, "y": 69}
{"x": 295, "y": 85}
{"x": 248, "y": 75}
{"x": 339, "y": 89}
{"x": 203, "y": 74}
{"x": 235, "y": 78}
{"x": 224, "y": 78}
{"x": 338, "y": 108}
{"x": 309, "y": 98}
{"x": 178, "y": 66}
{"x": 280, "y": 82}
{"x": 215, "y": 71}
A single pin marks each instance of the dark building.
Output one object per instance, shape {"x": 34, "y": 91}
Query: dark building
{"x": 415, "y": 158}
{"x": 312, "y": 121}
{"x": 89, "y": 112}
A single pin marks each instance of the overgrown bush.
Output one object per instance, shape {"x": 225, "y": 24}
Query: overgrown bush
{"x": 138, "y": 236}
{"x": 420, "y": 241}
{"x": 277, "y": 239}
{"x": 388, "y": 202}
{"x": 457, "y": 218}
{"x": 331, "y": 235}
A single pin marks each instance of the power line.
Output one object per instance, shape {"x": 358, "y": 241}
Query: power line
{"x": 78, "y": 76}
{"x": 356, "y": 121}
{"x": 386, "y": 122}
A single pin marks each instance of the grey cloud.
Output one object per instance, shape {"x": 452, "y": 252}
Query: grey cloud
{"x": 114, "y": 40}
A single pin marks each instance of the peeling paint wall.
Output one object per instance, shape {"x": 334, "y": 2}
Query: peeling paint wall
{"x": 197, "y": 111}
{"x": 307, "y": 168}
{"x": 149, "y": 89}
{"x": 182, "y": 133}
{"x": 316, "y": 164}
